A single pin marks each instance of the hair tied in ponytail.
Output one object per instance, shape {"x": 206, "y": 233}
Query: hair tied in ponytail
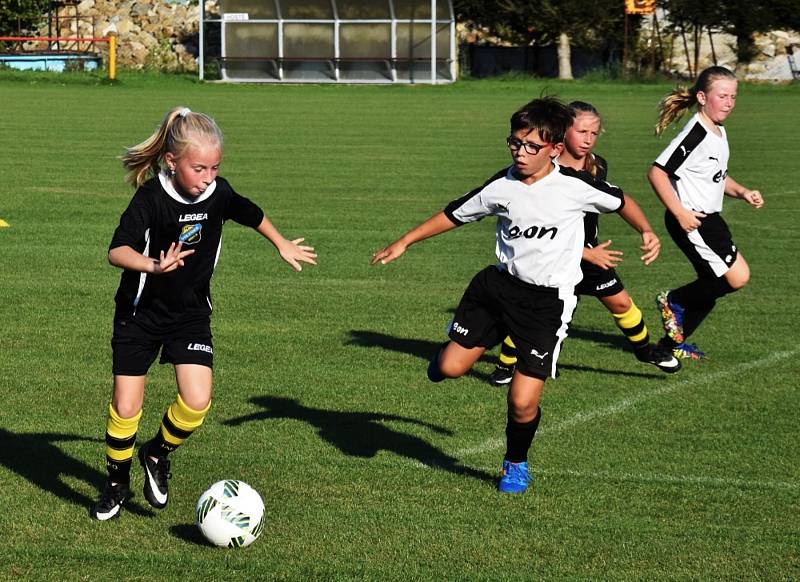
{"x": 184, "y": 112}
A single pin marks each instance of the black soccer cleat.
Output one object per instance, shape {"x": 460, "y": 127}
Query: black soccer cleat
{"x": 434, "y": 371}
{"x": 501, "y": 376}
{"x": 112, "y": 498}
{"x": 660, "y": 357}
{"x": 156, "y": 473}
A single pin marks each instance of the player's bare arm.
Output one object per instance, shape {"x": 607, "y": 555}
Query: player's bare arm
{"x": 436, "y": 224}
{"x": 688, "y": 219}
{"x": 736, "y": 190}
{"x": 602, "y": 256}
{"x": 632, "y": 213}
{"x": 291, "y": 251}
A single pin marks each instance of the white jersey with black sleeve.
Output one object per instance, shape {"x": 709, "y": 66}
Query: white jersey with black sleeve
{"x": 540, "y": 231}
{"x": 696, "y": 162}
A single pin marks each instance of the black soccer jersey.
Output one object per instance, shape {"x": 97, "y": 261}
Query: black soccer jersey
{"x": 591, "y": 228}
{"x": 540, "y": 229}
{"x": 158, "y": 216}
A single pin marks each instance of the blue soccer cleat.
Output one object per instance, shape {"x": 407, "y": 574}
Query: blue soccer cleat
{"x": 514, "y": 478}
{"x": 688, "y": 351}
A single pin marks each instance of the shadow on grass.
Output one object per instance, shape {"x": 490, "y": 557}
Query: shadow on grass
{"x": 425, "y": 349}
{"x": 189, "y": 533}
{"x": 611, "y": 340}
{"x": 362, "y": 434}
{"x": 35, "y": 457}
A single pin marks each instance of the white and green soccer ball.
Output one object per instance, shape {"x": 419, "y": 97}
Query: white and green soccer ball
{"x": 230, "y": 514}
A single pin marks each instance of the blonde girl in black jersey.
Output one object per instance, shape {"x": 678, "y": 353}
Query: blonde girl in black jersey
{"x": 167, "y": 243}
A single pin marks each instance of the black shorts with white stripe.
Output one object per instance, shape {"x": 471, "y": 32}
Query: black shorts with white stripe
{"x": 710, "y": 248}
{"x": 497, "y": 304}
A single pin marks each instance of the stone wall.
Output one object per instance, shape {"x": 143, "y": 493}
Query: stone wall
{"x": 155, "y": 35}
{"x": 770, "y": 64}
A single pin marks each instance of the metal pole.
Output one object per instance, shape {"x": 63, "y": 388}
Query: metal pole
{"x": 201, "y": 49}
{"x": 433, "y": 42}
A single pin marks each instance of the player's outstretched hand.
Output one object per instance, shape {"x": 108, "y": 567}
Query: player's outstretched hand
{"x": 651, "y": 247}
{"x": 689, "y": 219}
{"x": 753, "y": 198}
{"x": 602, "y": 256}
{"x": 294, "y": 253}
{"x": 172, "y": 259}
{"x": 388, "y": 254}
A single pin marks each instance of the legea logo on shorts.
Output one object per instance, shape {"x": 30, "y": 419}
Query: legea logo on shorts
{"x": 200, "y": 348}
{"x": 190, "y": 233}
{"x": 605, "y": 285}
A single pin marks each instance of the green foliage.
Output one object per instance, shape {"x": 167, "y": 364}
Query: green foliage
{"x": 20, "y": 15}
{"x": 321, "y": 404}
{"x": 589, "y": 24}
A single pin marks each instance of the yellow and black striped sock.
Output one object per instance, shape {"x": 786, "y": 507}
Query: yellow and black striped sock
{"x": 508, "y": 353}
{"x": 120, "y": 438}
{"x": 633, "y": 326}
{"x": 178, "y": 424}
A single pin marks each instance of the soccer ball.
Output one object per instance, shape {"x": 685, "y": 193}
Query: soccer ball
{"x": 230, "y": 514}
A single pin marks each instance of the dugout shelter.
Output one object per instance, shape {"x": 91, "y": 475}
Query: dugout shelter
{"x": 331, "y": 41}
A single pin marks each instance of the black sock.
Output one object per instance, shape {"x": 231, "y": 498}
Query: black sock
{"x": 519, "y": 436}
{"x": 698, "y": 298}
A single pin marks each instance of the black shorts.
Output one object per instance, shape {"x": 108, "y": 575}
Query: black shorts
{"x": 598, "y": 282}
{"x": 134, "y": 347}
{"x": 710, "y": 248}
{"x": 497, "y": 304}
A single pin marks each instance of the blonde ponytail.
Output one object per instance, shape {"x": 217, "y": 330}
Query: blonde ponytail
{"x": 675, "y": 104}
{"x": 179, "y": 130}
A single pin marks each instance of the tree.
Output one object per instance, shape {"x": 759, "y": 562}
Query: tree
{"x": 20, "y": 15}
{"x": 591, "y": 25}
{"x": 585, "y": 24}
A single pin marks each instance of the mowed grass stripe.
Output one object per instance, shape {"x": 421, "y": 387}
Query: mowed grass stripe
{"x": 328, "y": 364}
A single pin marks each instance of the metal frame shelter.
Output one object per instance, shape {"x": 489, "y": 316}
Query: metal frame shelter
{"x": 334, "y": 41}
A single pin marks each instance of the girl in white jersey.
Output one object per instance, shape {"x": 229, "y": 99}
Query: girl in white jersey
{"x": 691, "y": 178}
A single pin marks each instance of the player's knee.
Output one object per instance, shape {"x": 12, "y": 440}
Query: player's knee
{"x": 126, "y": 409}
{"x": 738, "y": 275}
{"x": 620, "y": 303}
{"x": 197, "y": 400}
{"x": 522, "y": 408}
{"x": 522, "y": 411}
{"x": 452, "y": 368}
{"x": 739, "y": 279}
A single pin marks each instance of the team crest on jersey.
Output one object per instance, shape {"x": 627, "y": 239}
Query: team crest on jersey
{"x": 190, "y": 233}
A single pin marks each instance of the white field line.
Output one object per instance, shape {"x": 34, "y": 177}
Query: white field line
{"x": 671, "y": 479}
{"x": 631, "y": 401}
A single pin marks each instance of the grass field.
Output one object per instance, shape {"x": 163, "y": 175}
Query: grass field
{"x": 321, "y": 402}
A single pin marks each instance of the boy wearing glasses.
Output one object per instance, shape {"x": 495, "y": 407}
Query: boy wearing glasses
{"x": 529, "y": 293}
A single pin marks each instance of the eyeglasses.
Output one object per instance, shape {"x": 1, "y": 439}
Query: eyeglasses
{"x": 532, "y": 148}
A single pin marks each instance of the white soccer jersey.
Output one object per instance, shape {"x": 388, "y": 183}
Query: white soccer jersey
{"x": 539, "y": 226}
{"x": 697, "y": 164}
